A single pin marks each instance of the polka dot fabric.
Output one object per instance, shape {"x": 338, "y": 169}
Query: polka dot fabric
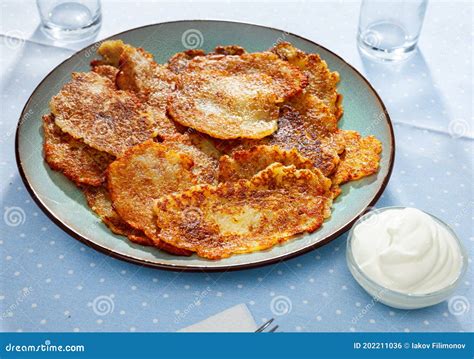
{"x": 51, "y": 282}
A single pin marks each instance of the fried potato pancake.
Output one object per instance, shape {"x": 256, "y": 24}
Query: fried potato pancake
{"x": 245, "y": 164}
{"x": 361, "y": 157}
{"x": 229, "y": 50}
{"x": 145, "y": 173}
{"x": 321, "y": 81}
{"x": 305, "y": 124}
{"x": 110, "y": 50}
{"x": 180, "y": 60}
{"x": 205, "y": 164}
{"x": 138, "y": 72}
{"x": 230, "y": 97}
{"x": 204, "y": 143}
{"x": 245, "y": 216}
{"x": 98, "y": 199}
{"x": 107, "y": 71}
{"x": 77, "y": 161}
{"x": 91, "y": 109}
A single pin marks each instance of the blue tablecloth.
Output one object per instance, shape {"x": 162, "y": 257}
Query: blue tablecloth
{"x": 51, "y": 282}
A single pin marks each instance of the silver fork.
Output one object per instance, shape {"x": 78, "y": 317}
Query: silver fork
{"x": 266, "y": 326}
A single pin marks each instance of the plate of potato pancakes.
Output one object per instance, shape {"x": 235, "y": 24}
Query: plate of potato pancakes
{"x": 205, "y": 145}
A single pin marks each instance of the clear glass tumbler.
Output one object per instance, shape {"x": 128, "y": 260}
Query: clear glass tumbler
{"x": 389, "y": 30}
{"x": 70, "y": 20}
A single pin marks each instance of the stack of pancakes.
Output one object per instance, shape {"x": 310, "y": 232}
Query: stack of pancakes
{"x": 215, "y": 154}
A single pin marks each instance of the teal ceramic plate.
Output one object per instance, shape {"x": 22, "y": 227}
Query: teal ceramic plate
{"x": 66, "y": 206}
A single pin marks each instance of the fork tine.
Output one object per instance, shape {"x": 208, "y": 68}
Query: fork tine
{"x": 273, "y": 329}
{"x": 264, "y": 326}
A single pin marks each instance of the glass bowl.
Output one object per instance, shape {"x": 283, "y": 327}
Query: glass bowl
{"x": 398, "y": 299}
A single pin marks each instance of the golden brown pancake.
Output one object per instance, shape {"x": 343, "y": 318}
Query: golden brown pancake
{"x": 178, "y": 62}
{"x": 146, "y": 172}
{"x": 98, "y": 199}
{"x": 204, "y": 143}
{"x": 205, "y": 164}
{"x": 245, "y": 164}
{"x": 229, "y": 50}
{"x": 247, "y": 215}
{"x": 321, "y": 81}
{"x": 138, "y": 72}
{"x": 305, "y": 124}
{"x": 230, "y": 97}
{"x": 361, "y": 157}
{"x": 110, "y": 51}
{"x": 77, "y": 161}
{"x": 89, "y": 108}
{"x": 107, "y": 71}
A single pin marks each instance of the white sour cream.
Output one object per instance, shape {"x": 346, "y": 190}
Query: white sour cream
{"x": 407, "y": 251}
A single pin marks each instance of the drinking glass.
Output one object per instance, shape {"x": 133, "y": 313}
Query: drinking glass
{"x": 70, "y": 20}
{"x": 389, "y": 30}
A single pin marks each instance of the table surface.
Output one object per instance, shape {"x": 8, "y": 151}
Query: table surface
{"x": 51, "y": 282}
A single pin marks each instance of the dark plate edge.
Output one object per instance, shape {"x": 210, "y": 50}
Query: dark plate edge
{"x": 181, "y": 268}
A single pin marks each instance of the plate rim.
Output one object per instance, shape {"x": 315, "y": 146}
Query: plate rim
{"x": 193, "y": 268}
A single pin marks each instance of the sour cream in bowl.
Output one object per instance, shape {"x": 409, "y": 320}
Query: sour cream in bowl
{"x": 405, "y": 258}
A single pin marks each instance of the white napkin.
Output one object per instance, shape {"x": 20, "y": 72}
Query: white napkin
{"x": 235, "y": 319}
